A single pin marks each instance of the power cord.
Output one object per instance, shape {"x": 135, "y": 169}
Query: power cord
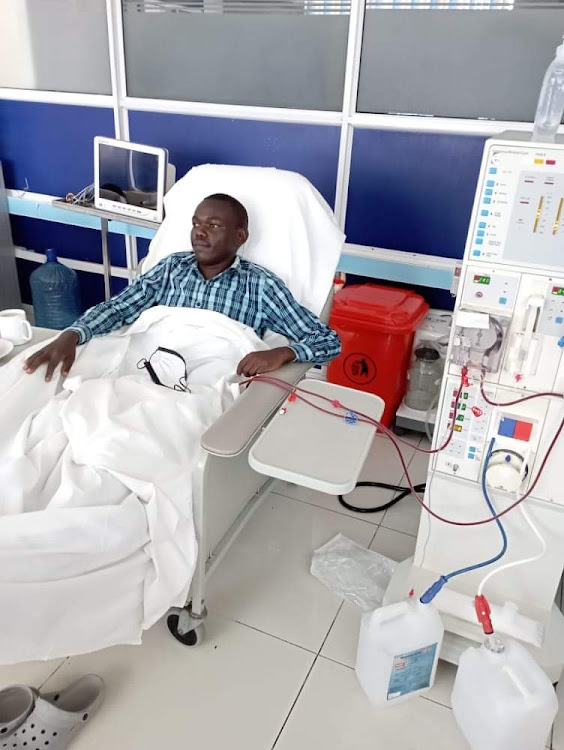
{"x": 404, "y": 492}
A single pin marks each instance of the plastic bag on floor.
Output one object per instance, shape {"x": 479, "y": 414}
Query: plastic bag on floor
{"x": 357, "y": 574}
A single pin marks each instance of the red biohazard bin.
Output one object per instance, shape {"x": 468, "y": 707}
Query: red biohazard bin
{"x": 376, "y": 325}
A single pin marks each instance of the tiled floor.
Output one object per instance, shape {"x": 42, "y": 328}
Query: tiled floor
{"x": 276, "y": 667}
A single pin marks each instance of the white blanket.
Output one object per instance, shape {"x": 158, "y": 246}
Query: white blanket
{"x": 96, "y": 533}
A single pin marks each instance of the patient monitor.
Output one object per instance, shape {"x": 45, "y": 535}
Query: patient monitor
{"x": 131, "y": 179}
{"x": 507, "y": 342}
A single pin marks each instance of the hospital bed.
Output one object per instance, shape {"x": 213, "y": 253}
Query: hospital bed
{"x": 294, "y": 234}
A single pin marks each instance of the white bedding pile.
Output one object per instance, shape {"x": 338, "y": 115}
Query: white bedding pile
{"x": 96, "y": 533}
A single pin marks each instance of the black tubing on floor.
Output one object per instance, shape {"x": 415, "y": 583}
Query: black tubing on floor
{"x": 404, "y": 492}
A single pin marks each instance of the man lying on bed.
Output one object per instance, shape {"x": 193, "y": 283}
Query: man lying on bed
{"x": 213, "y": 277}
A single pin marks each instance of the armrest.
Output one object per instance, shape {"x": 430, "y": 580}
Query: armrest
{"x": 234, "y": 430}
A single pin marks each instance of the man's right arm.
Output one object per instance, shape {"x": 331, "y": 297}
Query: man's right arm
{"x": 124, "y": 308}
{"x": 108, "y": 316}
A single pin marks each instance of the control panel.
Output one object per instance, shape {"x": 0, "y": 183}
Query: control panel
{"x": 463, "y": 456}
{"x": 490, "y": 290}
{"x": 519, "y": 213}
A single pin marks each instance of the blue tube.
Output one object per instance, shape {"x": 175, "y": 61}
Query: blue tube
{"x": 434, "y": 589}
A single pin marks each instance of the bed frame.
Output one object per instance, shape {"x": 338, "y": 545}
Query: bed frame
{"x": 226, "y": 490}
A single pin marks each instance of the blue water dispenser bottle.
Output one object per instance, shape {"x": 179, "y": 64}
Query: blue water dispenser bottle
{"x": 55, "y": 294}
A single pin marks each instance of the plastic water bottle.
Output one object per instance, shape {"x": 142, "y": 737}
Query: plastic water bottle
{"x": 55, "y": 294}
{"x": 398, "y": 651}
{"x": 502, "y": 699}
{"x": 550, "y": 107}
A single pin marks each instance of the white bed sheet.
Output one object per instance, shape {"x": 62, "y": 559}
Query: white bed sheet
{"x": 96, "y": 532}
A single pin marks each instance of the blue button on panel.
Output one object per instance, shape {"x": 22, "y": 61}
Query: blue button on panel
{"x": 559, "y": 320}
{"x": 480, "y": 233}
{"x": 507, "y": 427}
{"x": 493, "y": 170}
{"x": 484, "y": 212}
{"x": 482, "y": 225}
{"x": 490, "y": 183}
{"x": 503, "y": 300}
{"x": 487, "y": 200}
{"x": 471, "y": 456}
{"x": 479, "y": 242}
{"x": 476, "y": 253}
{"x": 472, "y": 449}
{"x": 489, "y": 192}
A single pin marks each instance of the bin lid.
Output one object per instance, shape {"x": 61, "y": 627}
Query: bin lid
{"x": 386, "y": 308}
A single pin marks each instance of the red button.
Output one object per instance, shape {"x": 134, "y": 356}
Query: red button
{"x": 551, "y": 162}
{"x": 476, "y": 411}
{"x": 523, "y": 431}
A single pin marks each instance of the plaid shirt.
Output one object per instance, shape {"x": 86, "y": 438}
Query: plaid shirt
{"x": 245, "y": 292}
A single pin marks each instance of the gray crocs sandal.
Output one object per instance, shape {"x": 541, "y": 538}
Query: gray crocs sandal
{"x": 57, "y": 717}
{"x": 16, "y": 704}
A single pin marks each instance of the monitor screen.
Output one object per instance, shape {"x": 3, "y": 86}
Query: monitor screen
{"x": 128, "y": 176}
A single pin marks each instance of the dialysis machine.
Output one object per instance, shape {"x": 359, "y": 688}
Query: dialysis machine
{"x": 507, "y": 342}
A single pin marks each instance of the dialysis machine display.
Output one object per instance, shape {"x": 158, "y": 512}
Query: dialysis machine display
{"x": 500, "y": 415}
{"x": 130, "y": 178}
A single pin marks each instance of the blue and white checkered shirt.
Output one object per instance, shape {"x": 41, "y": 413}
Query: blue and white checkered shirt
{"x": 245, "y": 292}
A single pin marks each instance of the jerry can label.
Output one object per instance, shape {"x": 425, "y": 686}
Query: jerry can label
{"x": 412, "y": 671}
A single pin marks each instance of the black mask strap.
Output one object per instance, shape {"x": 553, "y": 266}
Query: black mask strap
{"x": 182, "y": 384}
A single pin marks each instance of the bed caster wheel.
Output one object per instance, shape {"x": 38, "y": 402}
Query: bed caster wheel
{"x": 192, "y": 638}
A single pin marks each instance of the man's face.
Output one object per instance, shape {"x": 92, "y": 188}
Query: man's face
{"x": 216, "y": 234}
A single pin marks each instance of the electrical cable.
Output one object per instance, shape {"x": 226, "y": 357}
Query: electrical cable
{"x": 296, "y": 391}
{"x": 434, "y": 589}
{"x": 404, "y": 492}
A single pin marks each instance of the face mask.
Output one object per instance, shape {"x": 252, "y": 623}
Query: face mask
{"x": 167, "y": 368}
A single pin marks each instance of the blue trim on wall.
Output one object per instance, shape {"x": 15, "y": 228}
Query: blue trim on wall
{"x": 311, "y": 150}
{"x": 69, "y": 241}
{"x": 412, "y": 191}
{"x": 398, "y": 272}
{"x": 50, "y": 145}
{"x": 42, "y": 210}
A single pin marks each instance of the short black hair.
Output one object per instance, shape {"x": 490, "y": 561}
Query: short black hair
{"x": 239, "y": 208}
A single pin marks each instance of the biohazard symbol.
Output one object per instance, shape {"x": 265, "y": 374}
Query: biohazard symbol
{"x": 360, "y": 368}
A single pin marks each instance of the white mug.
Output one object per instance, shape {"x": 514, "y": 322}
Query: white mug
{"x": 14, "y": 327}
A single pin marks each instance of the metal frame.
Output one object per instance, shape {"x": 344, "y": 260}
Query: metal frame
{"x": 348, "y": 118}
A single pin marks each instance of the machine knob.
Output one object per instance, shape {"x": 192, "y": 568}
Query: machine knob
{"x": 506, "y": 470}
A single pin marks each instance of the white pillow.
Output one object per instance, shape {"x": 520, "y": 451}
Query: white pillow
{"x": 292, "y": 230}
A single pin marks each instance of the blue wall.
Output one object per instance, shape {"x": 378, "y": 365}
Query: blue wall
{"x": 408, "y": 191}
{"x": 312, "y": 150}
{"x": 412, "y": 191}
{"x": 50, "y": 145}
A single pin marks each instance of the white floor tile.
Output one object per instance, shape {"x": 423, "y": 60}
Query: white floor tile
{"x": 444, "y": 681}
{"x": 382, "y": 465}
{"x": 234, "y": 691}
{"x": 265, "y": 582}
{"x": 393, "y": 544}
{"x": 342, "y": 640}
{"x": 333, "y": 713}
{"x": 33, "y": 673}
{"x": 405, "y": 515}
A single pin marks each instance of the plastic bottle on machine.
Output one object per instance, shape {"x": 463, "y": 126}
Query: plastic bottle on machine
{"x": 55, "y": 294}
{"x": 398, "y": 651}
{"x": 550, "y": 107}
{"x": 502, "y": 699}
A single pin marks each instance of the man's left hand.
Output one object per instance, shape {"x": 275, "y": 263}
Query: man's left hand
{"x": 257, "y": 363}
